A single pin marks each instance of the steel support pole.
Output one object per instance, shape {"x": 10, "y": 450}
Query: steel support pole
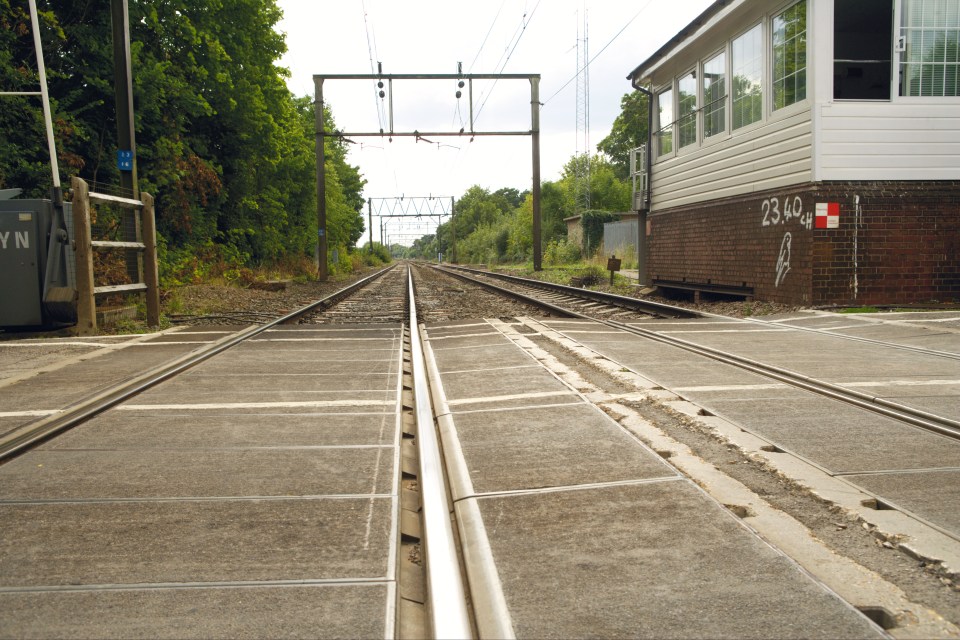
{"x": 370, "y": 223}
{"x": 44, "y": 95}
{"x": 642, "y": 248}
{"x": 321, "y": 184}
{"x": 123, "y": 91}
{"x": 453, "y": 231}
{"x": 535, "y": 138}
{"x": 126, "y": 134}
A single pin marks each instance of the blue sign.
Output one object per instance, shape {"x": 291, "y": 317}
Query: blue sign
{"x": 125, "y": 160}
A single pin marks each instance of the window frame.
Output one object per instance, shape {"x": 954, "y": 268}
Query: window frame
{"x": 897, "y": 61}
{"x": 727, "y": 97}
{"x": 770, "y": 109}
{"x": 671, "y": 86}
{"x": 683, "y": 149}
{"x": 764, "y": 64}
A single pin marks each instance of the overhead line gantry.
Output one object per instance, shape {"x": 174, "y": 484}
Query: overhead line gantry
{"x": 385, "y": 85}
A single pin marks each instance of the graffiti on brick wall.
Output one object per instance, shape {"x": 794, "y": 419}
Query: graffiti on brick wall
{"x": 783, "y": 261}
{"x": 790, "y": 209}
{"x": 784, "y": 211}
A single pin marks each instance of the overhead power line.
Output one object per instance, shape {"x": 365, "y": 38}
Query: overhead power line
{"x": 370, "y": 49}
{"x": 524, "y": 22}
{"x": 489, "y": 31}
{"x": 617, "y": 35}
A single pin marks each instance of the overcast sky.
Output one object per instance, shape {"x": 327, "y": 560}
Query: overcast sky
{"x": 487, "y": 36}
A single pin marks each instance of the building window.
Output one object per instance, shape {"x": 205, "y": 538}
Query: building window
{"x": 715, "y": 95}
{"x": 862, "y": 44}
{"x": 665, "y": 111}
{"x": 687, "y": 110}
{"x": 930, "y": 39}
{"x": 790, "y": 56}
{"x": 747, "y": 61}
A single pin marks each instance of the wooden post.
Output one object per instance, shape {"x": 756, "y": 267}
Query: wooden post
{"x": 83, "y": 251}
{"x": 151, "y": 276}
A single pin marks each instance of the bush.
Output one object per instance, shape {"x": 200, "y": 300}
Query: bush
{"x": 377, "y": 256}
{"x": 561, "y": 252}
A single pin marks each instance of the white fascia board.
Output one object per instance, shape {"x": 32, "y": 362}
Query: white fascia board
{"x": 717, "y": 18}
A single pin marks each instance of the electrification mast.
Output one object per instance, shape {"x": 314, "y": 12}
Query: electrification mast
{"x": 582, "y": 154}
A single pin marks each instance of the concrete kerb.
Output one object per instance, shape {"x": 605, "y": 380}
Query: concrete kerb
{"x": 915, "y": 537}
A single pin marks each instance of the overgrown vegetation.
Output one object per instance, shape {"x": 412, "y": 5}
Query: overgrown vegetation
{"x": 496, "y": 227}
{"x": 223, "y": 145}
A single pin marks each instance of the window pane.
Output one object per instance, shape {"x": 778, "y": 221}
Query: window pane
{"x": 747, "y": 73}
{"x": 714, "y": 95}
{"x": 790, "y": 56}
{"x": 665, "y": 134}
{"x": 929, "y": 64}
{"x": 687, "y": 110}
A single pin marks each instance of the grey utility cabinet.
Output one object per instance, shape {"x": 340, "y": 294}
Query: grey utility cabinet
{"x": 24, "y": 229}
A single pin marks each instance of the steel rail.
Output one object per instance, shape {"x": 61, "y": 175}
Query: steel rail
{"x": 522, "y": 297}
{"x": 446, "y": 599}
{"x": 635, "y": 304}
{"x": 826, "y": 332}
{"x": 917, "y": 417}
{"x": 888, "y": 408}
{"x": 21, "y": 439}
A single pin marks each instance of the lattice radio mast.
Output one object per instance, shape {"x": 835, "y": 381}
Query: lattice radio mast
{"x": 582, "y": 154}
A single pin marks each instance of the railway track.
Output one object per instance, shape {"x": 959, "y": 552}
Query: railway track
{"x": 621, "y": 313}
{"x": 378, "y": 301}
{"x": 570, "y": 301}
{"x": 445, "y": 382}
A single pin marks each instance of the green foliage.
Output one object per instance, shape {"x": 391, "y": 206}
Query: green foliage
{"x": 593, "y": 222}
{"x": 558, "y": 252}
{"x": 223, "y": 145}
{"x": 377, "y": 255}
{"x": 629, "y": 131}
{"x": 607, "y": 191}
{"x": 858, "y": 310}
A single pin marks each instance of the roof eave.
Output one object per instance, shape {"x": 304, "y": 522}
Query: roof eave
{"x": 641, "y": 72}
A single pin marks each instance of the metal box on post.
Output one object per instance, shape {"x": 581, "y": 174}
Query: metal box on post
{"x": 24, "y": 231}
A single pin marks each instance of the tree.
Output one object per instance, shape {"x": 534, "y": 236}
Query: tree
{"x": 224, "y": 146}
{"x": 608, "y": 192}
{"x": 629, "y": 131}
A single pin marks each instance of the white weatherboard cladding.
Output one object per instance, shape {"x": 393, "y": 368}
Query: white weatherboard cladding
{"x": 903, "y": 140}
{"x": 776, "y": 154}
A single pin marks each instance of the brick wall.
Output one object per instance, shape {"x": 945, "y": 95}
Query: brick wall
{"x": 905, "y": 249}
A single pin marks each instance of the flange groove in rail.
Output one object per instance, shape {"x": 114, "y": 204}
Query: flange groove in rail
{"x": 33, "y": 433}
{"x": 625, "y": 302}
{"x": 446, "y": 600}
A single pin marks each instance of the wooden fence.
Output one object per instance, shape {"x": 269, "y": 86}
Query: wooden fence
{"x": 85, "y": 246}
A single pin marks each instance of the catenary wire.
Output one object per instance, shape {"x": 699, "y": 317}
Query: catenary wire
{"x": 524, "y": 23}
{"x": 597, "y": 55}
